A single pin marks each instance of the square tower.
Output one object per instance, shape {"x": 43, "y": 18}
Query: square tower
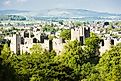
{"x": 80, "y": 33}
{"x": 15, "y": 43}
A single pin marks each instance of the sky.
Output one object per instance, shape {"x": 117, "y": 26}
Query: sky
{"x": 110, "y": 6}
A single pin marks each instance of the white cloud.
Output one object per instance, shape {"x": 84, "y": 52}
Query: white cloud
{"x": 7, "y": 3}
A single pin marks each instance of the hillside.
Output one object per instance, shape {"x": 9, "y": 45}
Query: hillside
{"x": 62, "y": 14}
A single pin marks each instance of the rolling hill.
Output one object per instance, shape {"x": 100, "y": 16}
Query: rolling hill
{"x": 62, "y": 13}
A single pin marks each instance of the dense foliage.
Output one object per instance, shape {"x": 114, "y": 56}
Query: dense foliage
{"x": 109, "y": 67}
{"x": 49, "y": 28}
{"x": 66, "y": 34}
{"x": 75, "y": 63}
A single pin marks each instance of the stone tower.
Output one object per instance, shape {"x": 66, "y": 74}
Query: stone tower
{"x": 80, "y": 33}
{"x": 75, "y": 34}
{"x": 15, "y": 43}
{"x": 106, "y": 45}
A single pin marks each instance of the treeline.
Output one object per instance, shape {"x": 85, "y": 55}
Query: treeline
{"x": 12, "y": 17}
{"x": 75, "y": 63}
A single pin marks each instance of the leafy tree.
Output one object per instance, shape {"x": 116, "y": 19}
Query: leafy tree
{"x": 93, "y": 41}
{"x": 34, "y": 66}
{"x": 49, "y": 28}
{"x": 109, "y": 67}
{"x": 66, "y": 34}
{"x": 92, "y": 48}
{"x": 86, "y": 70}
{"x": 7, "y": 72}
{"x": 75, "y": 57}
{"x": 36, "y": 49}
{"x": 6, "y": 53}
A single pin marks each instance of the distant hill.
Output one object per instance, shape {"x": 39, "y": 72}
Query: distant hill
{"x": 62, "y": 13}
{"x": 75, "y": 13}
{"x": 9, "y": 12}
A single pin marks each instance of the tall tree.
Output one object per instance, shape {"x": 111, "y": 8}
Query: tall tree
{"x": 7, "y": 72}
{"x": 66, "y": 34}
{"x": 92, "y": 48}
{"x": 74, "y": 57}
{"x": 36, "y": 49}
{"x": 109, "y": 67}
